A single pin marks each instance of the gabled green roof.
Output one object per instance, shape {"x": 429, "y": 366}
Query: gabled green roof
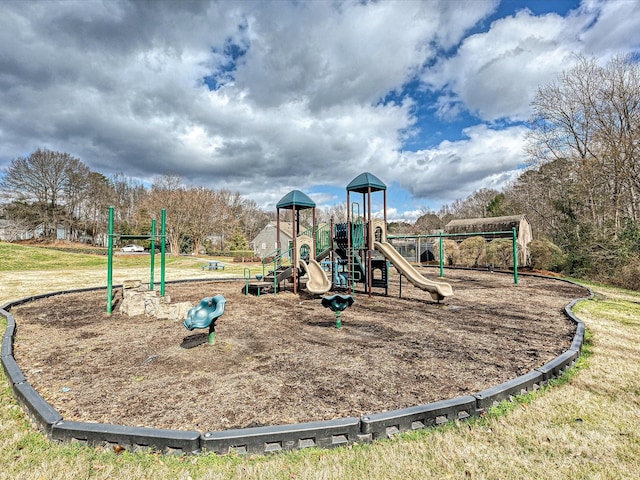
{"x": 365, "y": 180}
{"x": 296, "y": 198}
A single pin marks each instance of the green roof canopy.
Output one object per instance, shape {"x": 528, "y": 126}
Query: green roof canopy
{"x": 296, "y": 198}
{"x": 365, "y": 180}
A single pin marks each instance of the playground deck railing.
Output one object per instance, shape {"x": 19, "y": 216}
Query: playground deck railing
{"x": 322, "y": 237}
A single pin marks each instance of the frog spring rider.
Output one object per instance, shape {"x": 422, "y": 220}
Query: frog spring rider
{"x": 205, "y": 315}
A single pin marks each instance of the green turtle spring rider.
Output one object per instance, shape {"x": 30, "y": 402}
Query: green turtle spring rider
{"x": 205, "y": 314}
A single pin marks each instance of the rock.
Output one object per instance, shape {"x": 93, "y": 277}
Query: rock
{"x": 138, "y": 300}
{"x": 129, "y": 284}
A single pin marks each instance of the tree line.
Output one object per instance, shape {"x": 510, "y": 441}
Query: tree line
{"x": 581, "y": 188}
{"x": 53, "y": 190}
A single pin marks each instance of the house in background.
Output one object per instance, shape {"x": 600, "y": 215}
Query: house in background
{"x": 61, "y": 232}
{"x": 11, "y": 231}
{"x": 524, "y": 233}
{"x": 265, "y": 243}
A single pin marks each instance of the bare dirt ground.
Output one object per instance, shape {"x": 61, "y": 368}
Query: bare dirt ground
{"x": 279, "y": 359}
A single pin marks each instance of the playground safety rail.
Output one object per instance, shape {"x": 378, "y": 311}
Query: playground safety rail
{"x": 322, "y": 236}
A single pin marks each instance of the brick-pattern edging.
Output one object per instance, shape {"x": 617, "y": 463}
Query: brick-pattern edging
{"x": 262, "y": 440}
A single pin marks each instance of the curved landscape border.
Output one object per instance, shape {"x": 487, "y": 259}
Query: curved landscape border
{"x": 262, "y": 440}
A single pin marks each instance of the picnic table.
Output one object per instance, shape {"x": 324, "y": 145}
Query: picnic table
{"x": 213, "y": 265}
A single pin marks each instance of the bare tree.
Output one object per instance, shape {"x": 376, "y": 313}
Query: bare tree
{"x": 252, "y": 218}
{"x": 224, "y": 215}
{"x": 475, "y": 205}
{"x": 95, "y": 206}
{"x": 428, "y": 222}
{"x": 76, "y": 192}
{"x": 42, "y": 179}
{"x": 201, "y": 215}
{"x": 338, "y": 212}
{"x": 590, "y": 119}
{"x": 169, "y": 193}
{"x": 128, "y": 195}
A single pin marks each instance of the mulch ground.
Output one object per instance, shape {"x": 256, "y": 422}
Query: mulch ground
{"x": 279, "y": 359}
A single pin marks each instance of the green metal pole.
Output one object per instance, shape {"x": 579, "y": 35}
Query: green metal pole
{"x": 153, "y": 253}
{"x": 110, "y": 264}
{"x": 441, "y": 256}
{"x": 275, "y": 276}
{"x": 163, "y": 233}
{"x": 515, "y": 256}
{"x": 247, "y": 276}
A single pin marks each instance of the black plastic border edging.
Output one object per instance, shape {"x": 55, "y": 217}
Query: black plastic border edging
{"x": 44, "y": 415}
{"x": 134, "y": 438}
{"x": 10, "y": 331}
{"x": 262, "y": 440}
{"x": 388, "y": 424}
{"x": 518, "y": 386}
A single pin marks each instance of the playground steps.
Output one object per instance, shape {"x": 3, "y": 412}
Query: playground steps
{"x": 266, "y": 284}
{"x": 322, "y": 255}
{"x": 281, "y": 274}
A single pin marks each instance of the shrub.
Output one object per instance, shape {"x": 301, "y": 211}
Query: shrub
{"x": 629, "y": 275}
{"x": 546, "y": 255}
{"x": 241, "y": 253}
{"x": 473, "y": 252}
{"x": 242, "y": 259}
{"x": 500, "y": 252}
{"x": 451, "y": 251}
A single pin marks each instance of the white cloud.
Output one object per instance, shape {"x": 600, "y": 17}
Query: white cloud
{"x": 297, "y": 104}
{"x": 496, "y": 74}
{"x": 616, "y": 30}
{"x": 487, "y": 158}
{"x": 330, "y": 54}
{"x": 121, "y": 85}
{"x": 394, "y": 215}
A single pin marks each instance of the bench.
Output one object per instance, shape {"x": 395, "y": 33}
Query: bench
{"x": 213, "y": 265}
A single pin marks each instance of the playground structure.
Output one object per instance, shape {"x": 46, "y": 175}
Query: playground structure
{"x": 365, "y": 237}
{"x": 438, "y": 290}
{"x": 493, "y": 228}
{"x": 439, "y": 237}
{"x": 354, "y": 252}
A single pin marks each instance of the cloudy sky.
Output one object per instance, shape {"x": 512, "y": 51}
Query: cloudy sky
{"x": 265, "y": 97}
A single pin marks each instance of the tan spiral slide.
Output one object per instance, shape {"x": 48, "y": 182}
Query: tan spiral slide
{"x": 317, "y": 283}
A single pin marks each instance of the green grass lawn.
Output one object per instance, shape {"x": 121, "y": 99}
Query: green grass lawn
{"x": 22, "y": 257}
{"x": 583, "y": 426}
{"x": 14, "y": 257}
